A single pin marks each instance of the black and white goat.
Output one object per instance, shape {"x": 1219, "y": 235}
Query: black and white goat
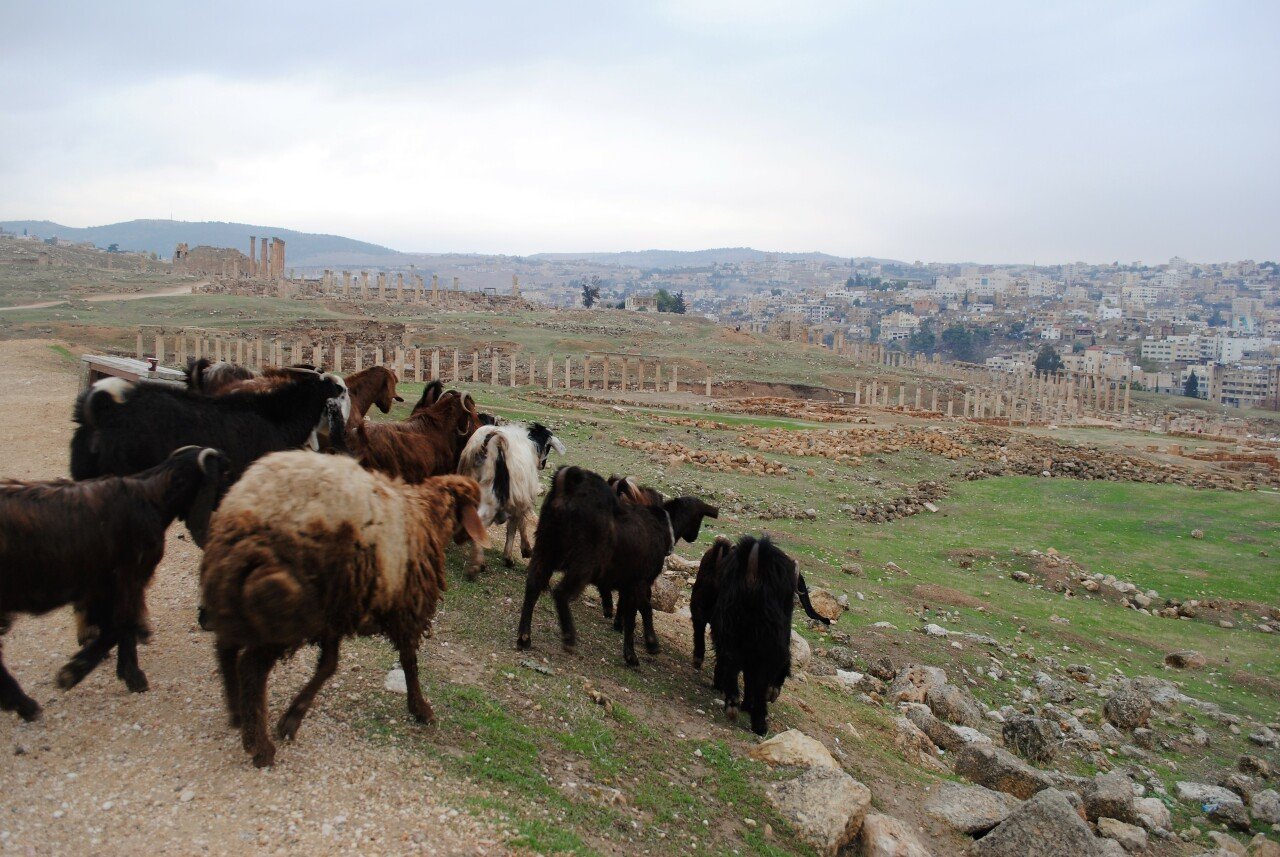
{"x": 96, "y": 544}
{"x": 504, "y": 460}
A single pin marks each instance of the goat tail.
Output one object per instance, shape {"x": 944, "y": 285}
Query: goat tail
{"x": 803, "y": 591}
{"x": 277, "y": 605}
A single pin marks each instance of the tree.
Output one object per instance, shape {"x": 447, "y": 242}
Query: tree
{"x": 923, "y": 341}
{"x": 1048, "y": 360}
{"x": 113, "y": 248}
{"x": 1191, "y": 389}
{"x": 1077, "y": 347}
{"x": 679, "y": 305}
{"x": 667, "y": 302}
{"x": 590, "y": 292}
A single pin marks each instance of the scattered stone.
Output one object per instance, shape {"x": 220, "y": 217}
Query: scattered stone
{"x": 886, "y": 836}
{"x": 395, "y": 682}
{"x": 1127, "y": 709}
{"x": 1265, "y": 737}
{"x": 1033, "y": 738}
{"x": 1255, "y": 766}
{"x": 999, "y": 769}
{"x": 969, "y": 809}
{"x": 1266, "y": 806}
{"x": 1224, "y": 844}
{"x": 935, "y": 630}
{"x": 1233, "y": 815}
{"x": 912, "y": 683}
{"x": 1241, "y": 784}
{"x": 1131, "y": 837}
{"x": 665, "y": 594}
{"x": 826, "y": 807}
{"x": 1109, "y": 795}
{"x": 1152, "y": 814}
{"x": 1197, "y": 534}
{"x": 826, "y": 604}
{"x": 1261, "y": 846}
{"x": 793, "y": 747}
{"x": 853, "y": 568}
{"x": 801, "y": 653}
{"x": 1188, "y": 660}
{"x": 882, "y": 668}
{"x": 915, "y": 746}
{"x": 939, "y": 733}
{"x": 1046, "y": 825}
{"x": 954, "y": 705}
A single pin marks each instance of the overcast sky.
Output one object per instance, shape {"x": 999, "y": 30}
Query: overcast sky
{"x": 991, "y": 132}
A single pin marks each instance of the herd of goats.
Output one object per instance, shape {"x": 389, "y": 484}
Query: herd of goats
{"x": 317, "y": 524}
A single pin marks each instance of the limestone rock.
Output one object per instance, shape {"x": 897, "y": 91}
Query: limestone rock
{"x": 1152, "y": 814}
{"x": 1266, "y": 806}
{"x": 1033, "y": 738}
{"x": 1110, "y": 795}
{"x": 915, "y": 746}
{"x": 886, "y": 836}
{"x": 1255, "y": 766}
{"x": 826, "y": 604}
{"x": 969, "y": 809}
{"x": 1130, "y": 837}
{"x": 665, "y": 594}
{"x": 953, "y": 705}
{"x": 912, "y": 683}
{"x": 1046, "y": 825}
{"x": 1261, "y": 846}
{"x": 1233, "y": 815}
{"x": 801, "y": 653}
{"x": 1000, "y": 770}
{"x": 826, "y": 806}
{"x": 1204, "y": 794}
{"x": 395, "y": 681}
{"x": 1224, "y": 844}
{"x": 1127, "y": 709}
{"x": 939, "y": 733}
{"x": 793, "y": 747}
{"x": 1185, "y": 660}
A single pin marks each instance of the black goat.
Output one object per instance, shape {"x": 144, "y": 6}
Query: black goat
{"x": 706, "y": 590}
{"x": 96, "y": 544}
{"x": 125, "y": 428}
{"x": 586, "y": 532}
{"x": 755, "y": 589}
{"x": 686, "y": 515}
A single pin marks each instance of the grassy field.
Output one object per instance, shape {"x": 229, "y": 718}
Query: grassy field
{"x": 545, "y": 759}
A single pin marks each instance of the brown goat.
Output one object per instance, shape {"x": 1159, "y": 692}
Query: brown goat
{"x": 373, "y": 386}
{"x": 312, "y": 549}
{"x": 427, "y": 444}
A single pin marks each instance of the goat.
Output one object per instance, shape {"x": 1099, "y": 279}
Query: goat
{"x": 96, "y": 544}
{"x": 686, "y": 514}
{"x": 755, "y": 586}
{"x": 706, "y": 590}
{"x": 314, "y": 549}
{"x": 373, "y": 386}
{"x": 504, "y": 460}
{"x": 123, "y": 428}
{"x": 586, "y": 531}
{"x": 213, "y": 378}
{"x": 545, "y": 442}
{"x": 431, "y": 394}
{"x": 426, "y": 444}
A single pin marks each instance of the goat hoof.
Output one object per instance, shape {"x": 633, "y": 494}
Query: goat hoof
{"x": 731, "y": 710}
{"x": 202, "y": 618}
{"x": 265, "y": 757}
{"x": 697, "y": 663}
{"x": 570, "y": 646}
{"x": 69, "y": 677}
{"x": 287, "y": 728}
{"x": 26, "y": 707}
{"x": 652, "y": 647}
{"x": 631, "y": 659}
{"x": 509, "y": 562}
{"x": 137, "y": 683}
{"x": 473, "y": 573}
{"x": 426, "y": 718}
{"x": 526, "y": 552}
{"x": 523, "y": 642}
{"x": 761, "y": 728}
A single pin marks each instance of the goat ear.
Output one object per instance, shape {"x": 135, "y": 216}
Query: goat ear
{"x": 711, "y": 511}
{"x": 472, "y": 525}
{"x": 213, "y": 464}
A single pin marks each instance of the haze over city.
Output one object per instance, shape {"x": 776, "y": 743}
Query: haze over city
{"x": 998, "y": 133}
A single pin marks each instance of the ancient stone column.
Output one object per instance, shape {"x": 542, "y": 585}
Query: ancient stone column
{"x": 417, "y": 364}
{"x": 377, "y": 356}
{"x": 317, "y": 354}
{"x": 435, "y": 287}
{"x": 435, "y": 365}
{"x": 1127, "y": 388}
{"x": 551, "y": 373}
{"x": 857, "y": 394}
{"x": 457, "y": 376}
{"x": 675, "y": 379}
{"x": 264, "y": 267}
{"x": 902, "y": 395}
{"x": 586, "y": 373}
{"x": 950, "y": 406}
{"x": 337, "y": 356}
{"x": 657, "y": 378}
{"x": 623, "y": 383}
{"x": 139, "y": 355}
{"x": 533, "y": 371}
{"x": 605, "y": 385}
{"x": 364, "y": 285}
{"x": 159, "y": 348}
{"x": 515, "y": 287}
{"x": 400, "y": 286}
{"x": 456, "y": 286}
{"x": 399, "y": 367}
{"x": 359, "y": 358}
{"x": 475, "y": 367}
{"x": 933, "y": 400}
{"x": 566, "y": 373}
{"x": 708, "y": 386}
{"x": 919, "y": 393}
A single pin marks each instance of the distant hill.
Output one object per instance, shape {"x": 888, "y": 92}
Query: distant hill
{"x": 683, "y": 258}
{"x": 302, "y": 249}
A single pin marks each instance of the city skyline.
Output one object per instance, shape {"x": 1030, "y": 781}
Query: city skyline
{"x": 986, "y": 135}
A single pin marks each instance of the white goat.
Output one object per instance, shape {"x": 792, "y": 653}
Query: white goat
{"x": 504, "y": 460}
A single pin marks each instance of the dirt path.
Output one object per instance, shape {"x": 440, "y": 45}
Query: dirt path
{"x": 108, "y": 772}
{"x": 118, "y": 296}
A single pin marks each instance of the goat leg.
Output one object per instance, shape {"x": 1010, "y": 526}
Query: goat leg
{"x": 418, "y": 705}
{"x": 254, "y": 667}
{"x": 754, "y": 700}
{"x": 699, "y": 640}
{"x": 326, "y": 666}
{"x": 646, "y": 614}
{"x": 87, "y": 659}
{"x": 476, "y": 564}
{"x": 726, "y": 680}
{"x": 562, "y": 594}
{"x": 227, "y": 656}
{"x": 627, "y": 613}
{"x": 11, "y": 696}
{"x": 606, "y": 605}
{"x": 513, "y": 526}
{"x": 127, "y": 669}
{"x": 526, "y": 546}
{"x": 535, "y": 581}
